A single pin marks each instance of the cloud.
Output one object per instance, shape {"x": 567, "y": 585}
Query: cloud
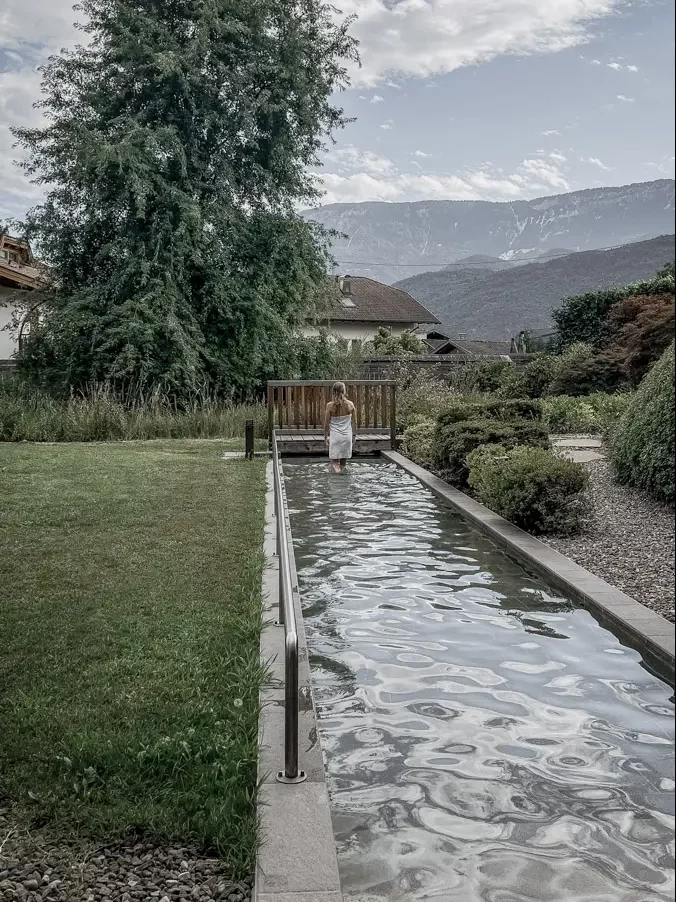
{"x": 625, "y": 99}
{"x": 596, "y": 62}
{"x": 423, "y": 38}
{"x": 30, "y": 30}
{"x": 387, "y": 126}
{"x": 377, "y": 99}
{"x": 665, "y": 166}
{"x": 620, "y": 67}
{"x": 594, "y": 161}
{"x": 422, "y": 154}
{"x": 357, "y": 176}
{"x": 551, "y": 132}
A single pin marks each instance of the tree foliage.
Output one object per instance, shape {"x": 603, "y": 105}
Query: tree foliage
{"x": 585, "y": 318}
{"x": 388, "y": 344}
{"x": 175, "y": 156}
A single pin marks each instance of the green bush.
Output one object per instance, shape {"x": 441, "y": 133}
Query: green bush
{"x": 455, "y": 441}
{"x": 642, "y": 447}
{"x": 502, "y": 409}
{"x": 489, "y": 376}
{"x": 584, "y": 318}
{"x": 532, "y": 381}
{"x": 595, "y": 413}
{"x": 581, "y": 370}
{"x": 418, "y": 443}
{"x": 534, "y": 488}
{"x": 420, "y": 396}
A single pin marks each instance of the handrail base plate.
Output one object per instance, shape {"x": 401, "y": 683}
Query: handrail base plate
{"x": 282, "y": 778}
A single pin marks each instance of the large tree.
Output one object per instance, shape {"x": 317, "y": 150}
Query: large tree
{"x": 175, "y": 156}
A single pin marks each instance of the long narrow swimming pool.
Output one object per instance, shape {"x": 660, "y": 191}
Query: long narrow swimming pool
{"x": 486, "y": 740}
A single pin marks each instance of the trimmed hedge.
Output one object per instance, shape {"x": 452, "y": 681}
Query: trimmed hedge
{"x": 455, "y": 441}
{"x": 531, "y": 487}
{"x": 418, "y": 442}
{"x": 642, "y": 448}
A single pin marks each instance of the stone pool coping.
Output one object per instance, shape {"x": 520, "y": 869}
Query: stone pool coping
{"x": 649, "y": 632}
{"x": 297, "y": 860}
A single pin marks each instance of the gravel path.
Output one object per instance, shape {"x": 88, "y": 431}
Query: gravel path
{"x": 629, "y": 543}
{"x": 35, "y": 868}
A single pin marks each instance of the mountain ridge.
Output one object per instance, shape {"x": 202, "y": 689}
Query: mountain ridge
{"x": 386, "y": 240}
{"x": 497, "y": 304}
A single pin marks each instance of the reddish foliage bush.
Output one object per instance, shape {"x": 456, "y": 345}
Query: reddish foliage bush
{"x": 642, "y": 329}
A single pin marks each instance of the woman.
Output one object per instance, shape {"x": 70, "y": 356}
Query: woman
{"x": 340, "y": 416}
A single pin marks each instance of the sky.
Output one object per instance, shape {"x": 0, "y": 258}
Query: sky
{"x": 455, "y": 99}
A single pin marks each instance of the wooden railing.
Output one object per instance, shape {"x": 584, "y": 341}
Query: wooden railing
{"x": 302, "y": 405}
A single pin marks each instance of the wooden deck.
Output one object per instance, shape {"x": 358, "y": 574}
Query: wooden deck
{"x": 296, "y": 415}
{"x": 311, "y": 441}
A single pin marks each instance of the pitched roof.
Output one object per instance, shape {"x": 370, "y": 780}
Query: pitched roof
{"x": 473, "y": 348}
{"x": 367, "y": 301}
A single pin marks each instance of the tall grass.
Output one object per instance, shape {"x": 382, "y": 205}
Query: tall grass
{"x": 99, "y": 415}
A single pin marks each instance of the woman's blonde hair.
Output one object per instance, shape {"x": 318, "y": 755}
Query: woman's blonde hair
{"x": 339, "y": 404}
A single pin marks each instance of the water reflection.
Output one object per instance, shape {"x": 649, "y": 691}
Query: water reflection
{"x": 486, "y": 739}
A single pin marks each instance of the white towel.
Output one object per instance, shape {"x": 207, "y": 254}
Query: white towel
{"x": 340, "y": 438}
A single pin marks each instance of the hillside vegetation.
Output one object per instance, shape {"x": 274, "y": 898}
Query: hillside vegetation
{"x": 498, "y": 304}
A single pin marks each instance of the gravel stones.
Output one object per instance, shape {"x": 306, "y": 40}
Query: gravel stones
{"x": 38, "y": 868}
{"x": 629, "y": 541}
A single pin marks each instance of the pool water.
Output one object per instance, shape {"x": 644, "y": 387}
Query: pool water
{"x": 485, "y": 738}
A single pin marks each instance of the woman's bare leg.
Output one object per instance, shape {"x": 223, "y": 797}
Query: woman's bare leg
{"x": 343, "y": 464}
{"x": 336, "y": 464}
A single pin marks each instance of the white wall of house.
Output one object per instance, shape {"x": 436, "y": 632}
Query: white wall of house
{"x": 8, "y": 344}
{"x": 357, "y": 331}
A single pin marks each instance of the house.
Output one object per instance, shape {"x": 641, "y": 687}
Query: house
{"x": 363, "y": 306}
{"x": 20, "y": 275}
{"x": 443, "y": 341}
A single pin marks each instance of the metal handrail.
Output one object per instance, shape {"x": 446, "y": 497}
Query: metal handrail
{"x": 287, "y": 619}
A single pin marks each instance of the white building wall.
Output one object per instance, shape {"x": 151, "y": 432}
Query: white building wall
{"x": 357, "y": 331}
{"x": 8, "y": 344}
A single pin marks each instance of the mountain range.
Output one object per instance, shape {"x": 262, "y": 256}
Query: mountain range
{"x": 390, "y": 241}
{"x": 485, "y": 302}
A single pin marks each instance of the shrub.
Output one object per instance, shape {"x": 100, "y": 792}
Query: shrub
{"x": 584, "y": 318}
{"x": 488, "y": 377}
{"x": 532, "y": 381}
{"x": 642, "y": 448}
{"x": 502, "y": 409}
{"x": 418, "y": 442}
{"x": 455, "y": 441}
{"x": 643, "y": 328}
{"x": 532, "y": 487}
{"x": 594, "y": 413}
{"x": 581, "y": 370}
{"x": 420, "y": 395}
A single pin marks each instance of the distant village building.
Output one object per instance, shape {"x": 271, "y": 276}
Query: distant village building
{"x": 443, "y": 340}
{"x": 363, "y": 306}
{"x": 20, "y": 276}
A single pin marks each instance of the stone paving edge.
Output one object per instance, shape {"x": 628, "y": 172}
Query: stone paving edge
{"x": 297, "y": 858}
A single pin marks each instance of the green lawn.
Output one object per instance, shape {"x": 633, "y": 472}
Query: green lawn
{"x": 129, "y": 635}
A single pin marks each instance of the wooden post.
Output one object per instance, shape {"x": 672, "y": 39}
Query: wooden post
{"x": 271, "y": 414}
{"x": 249, "y": 439}
{"x": 393, "y": 417}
